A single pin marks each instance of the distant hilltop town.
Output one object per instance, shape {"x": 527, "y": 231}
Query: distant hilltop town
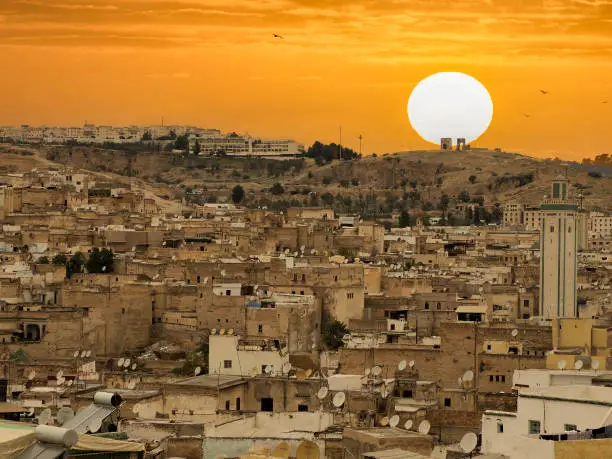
{"x": 200, "y": 141}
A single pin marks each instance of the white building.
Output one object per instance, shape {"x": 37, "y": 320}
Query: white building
{"x": 558, "y": 247}
{"x": 227, "y": 356}
{"x": 549, "y": 423}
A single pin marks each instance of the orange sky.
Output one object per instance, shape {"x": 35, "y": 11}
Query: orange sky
{"x": 214, "y": 63}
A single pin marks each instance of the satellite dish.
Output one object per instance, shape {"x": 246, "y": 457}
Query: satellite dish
{"x": 578, "y": 364}
{"x": 213, "y": 331}
{"x": 468, "y": 376}
{"x": 384, "y": 422}
{"x": 367, "y": 371}
{"x": 287, "y": 367}
{"x": 59, "y": 374}
{"x": 468, "y": 443}
{"x": 307, "y": 450}
{"x": 282, "y": 450}
{"x": 424, "y": 427}
{"x": 268, "y": 369}
{"x": 44, "y": 417}
{"x": 134, "y": 366}
{"x": 595, "y": 364}
{"x": 376, "y": 370}
{"x": 561, "y": 364}
{"x": 126, "y": 363}
{"x": 408, "y": 424}
{"x": 346, "y": 337}
{"x": 339, "y": 399}
{"x": 76, "y": 354}
{"x": 411, "y": 364}
{"x": 95, "y": 425}
{"x": 31, "y": 375}
{"x": 63, "y": 415}
{"x": 394, "y": 421}
{"x": 197, "y": 371}
{"x": 308, "y": 373}
{"x": 132, "y": 384}
{"x": 230, "y": 331}
{"x": 88, "y": 354}
{"x": 70, "y": 382}
{"x": 61, "y": 381}
{"x": 120, "y": 362}
{"x": 402, "y": 365}
{"x": 222, "y": 331}
{"x": 83, "y": 353}
{"x": 515, "y": 334}
{"x": 31, "y": 412}
{"x": 322, "y": 393}
{"x": 460, "y": 381}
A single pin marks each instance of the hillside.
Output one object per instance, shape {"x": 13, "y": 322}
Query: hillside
{"x": 373, "y": 185}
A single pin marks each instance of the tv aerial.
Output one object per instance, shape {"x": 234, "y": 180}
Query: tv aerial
{"x": 468, "y": 442}
{"x": 44, "y": 417}
{"x": 322, "y": 393}
{"x": 339, "y": 399}
{"x": 394, "y": 421}
{"x": 424, "y": 427}
{"x": 402, "y": 365}
{"x": 408, "y": 424}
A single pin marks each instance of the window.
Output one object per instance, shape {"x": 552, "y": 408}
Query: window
{"x": 439, "y": 305}
{"x": 392, "y": 327}
{"x": 198, "y": 279}
{"x": 238, "y": 404}
{"x": 426, "y": 305}
{"x": 570, "y": 427}
{"x": 500, "y": 427}
{"x": 569, "y": 229}
{"x": 228, "y": 292}
{"x": 503, "y": 378}
{"x": 552, "y": 229}
{"x": 490, "y": 378}
{"x": 303, "y": 277}
{"x": 260, "y": 328}
{"x": 301, "y": 292}
{"x": 295, "y": 277}
{"x": 227, "y": 405}
{"x": 227, "y": 364}
{"x": 526, "y": 303}
{"x": 302, "y": 408}
{"x": 447, "y": 402}
{"x": 407, "y": 394}
{"x": 488, "y": 347}
{"x": 267, "y": 404}
{"x": 350, "y": 296}
{"x": 534, "y": 427}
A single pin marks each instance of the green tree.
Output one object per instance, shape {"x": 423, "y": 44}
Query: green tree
{"x": 59, "y": 259}
{"x": 182, "y": 143}
{"x": 332, "y": 334}
{"x": 147, "y": 136}
{"x": 43, "y": 260}
{"x": 404, "y": 219}
{"x": 100, "y": 261}
{"x": 237, "y": 194}
{"x": 277, "y": 189}
{"x": 75, "y": 264}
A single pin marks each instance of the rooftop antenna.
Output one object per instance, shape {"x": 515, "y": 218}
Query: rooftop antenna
{"x": 340, "y": 151}
{"x": 468, "y": 443}
{"x": 424, "y": 427}
{"x": 339, "y": 399}
{"x": 360, "y": 141}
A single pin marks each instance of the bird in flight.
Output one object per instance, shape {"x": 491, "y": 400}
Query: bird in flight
{"x": 543, "y": 92}
{"x": 604, "y": 102}
{"x": 275, "y": 35}
{"x": 526, "y": 115}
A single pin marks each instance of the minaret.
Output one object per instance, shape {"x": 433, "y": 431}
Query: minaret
{"x": 558, "y": 247}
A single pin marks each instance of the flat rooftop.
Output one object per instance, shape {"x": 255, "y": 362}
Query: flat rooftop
{"x": 599, "y": 395}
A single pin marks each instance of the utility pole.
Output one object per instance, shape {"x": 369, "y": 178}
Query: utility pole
{"x": 340, "y": 152}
